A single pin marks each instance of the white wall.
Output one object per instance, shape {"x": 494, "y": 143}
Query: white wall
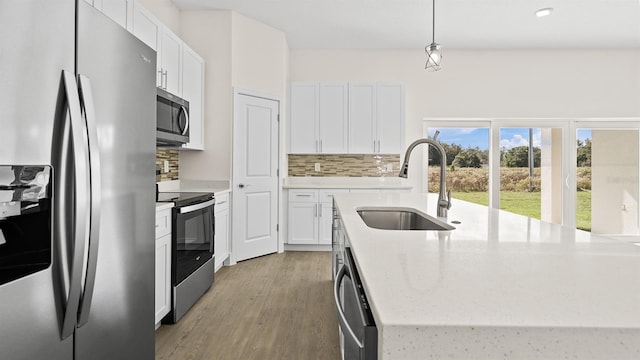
{"x": 488, "y": 83}
{"x": 239, "y": 53}
{"x": 209, "y": 34}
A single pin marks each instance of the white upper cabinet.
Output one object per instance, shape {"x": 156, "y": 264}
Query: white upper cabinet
{"x": 362, "y": 118}
{"x": 180, "y": 70}
{"x": 376, "y": 118}
{"x": 120, "y": 11}
{"x": 170, "y": 59}
{"x": 390, "y": 118}
{"x": 304, "y": 118}
{"x": 193, "y": 92}
{"x": 167, "y": 45}
{"x": 341, "y": 118}
{"x": 318, "y": 118}
{"x": 333, "y": 124}
{"x": 146, "y": 27}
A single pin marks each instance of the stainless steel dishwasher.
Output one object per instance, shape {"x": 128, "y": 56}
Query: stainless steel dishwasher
{"x": 358, "y": 332}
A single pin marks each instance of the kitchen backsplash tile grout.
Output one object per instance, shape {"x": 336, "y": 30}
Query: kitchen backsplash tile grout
{"x": 173, "y": 157}
{"x": 351, "y": 165}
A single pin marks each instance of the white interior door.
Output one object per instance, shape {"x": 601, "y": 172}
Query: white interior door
{"x": 255, "y": 179}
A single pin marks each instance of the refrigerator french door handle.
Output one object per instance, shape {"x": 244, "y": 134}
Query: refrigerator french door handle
{"x": 95, "y": 199}
{"x": 344, "y": 324}
{"x": 81, "y": 198}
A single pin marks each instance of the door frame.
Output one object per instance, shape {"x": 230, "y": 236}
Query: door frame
{"x": 232, "y": 183}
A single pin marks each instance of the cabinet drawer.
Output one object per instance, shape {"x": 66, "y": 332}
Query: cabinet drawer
{"x": 163, "y": 223}
{"x": 326, "y": 196}
{"x": 222, "y": 202}
{"x": 302, "y": 195}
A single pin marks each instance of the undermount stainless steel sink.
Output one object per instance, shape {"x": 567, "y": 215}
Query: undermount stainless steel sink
{"x": 400, "y": 219}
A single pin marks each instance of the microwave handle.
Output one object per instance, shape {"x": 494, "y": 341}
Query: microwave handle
{"x": 186, "y": 116}
{"x": 341, "y": 318}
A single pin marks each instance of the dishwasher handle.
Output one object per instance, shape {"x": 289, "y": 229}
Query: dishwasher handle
{"x": 341, "y": 318}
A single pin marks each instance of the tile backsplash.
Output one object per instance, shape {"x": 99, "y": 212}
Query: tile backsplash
{"x": 173, "y": 157}
{"x": 353, "y": 165}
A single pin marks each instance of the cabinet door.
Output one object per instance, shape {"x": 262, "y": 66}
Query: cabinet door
{"x": 163, "y": 277}
{"x": 304, "y": 118}
{"x": 120, "y": 11}
{"x": 193, "y": 92}
{"x": 390, "y": 118}
{"x": 332, "y": 123}
{"x": 303, "y": 223}
{"x": 362, "y": 117}
{"x": 325, "y": 223}
{"x": 146, "y": 27}
{"x": 171, "y": 60}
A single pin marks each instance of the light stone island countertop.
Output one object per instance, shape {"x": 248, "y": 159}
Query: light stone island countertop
{"x": 498, "y": 286}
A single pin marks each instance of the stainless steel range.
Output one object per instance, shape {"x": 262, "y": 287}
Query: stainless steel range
{"x": 192, "y": 258}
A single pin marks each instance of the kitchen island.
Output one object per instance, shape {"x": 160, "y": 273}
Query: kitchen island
{"x": 500, "y": 285}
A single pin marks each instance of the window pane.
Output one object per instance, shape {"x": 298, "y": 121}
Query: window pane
{"x": 467, "y": 170}
{"x": 531, "y": 172}
{"x": 607, "y": 181}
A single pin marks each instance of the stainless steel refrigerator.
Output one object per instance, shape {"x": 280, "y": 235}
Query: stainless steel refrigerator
{"x": 77, "y": 166}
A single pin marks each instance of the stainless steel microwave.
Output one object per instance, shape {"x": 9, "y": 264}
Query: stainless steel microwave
{"x": 172, "y": 120}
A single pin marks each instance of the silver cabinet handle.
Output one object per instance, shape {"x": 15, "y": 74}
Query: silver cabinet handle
{"x": 320, "y": 145}
{"x": 378, "y": 145}
{"x": 303, "y": 195}
{"x": 80, "y": 199}
{"x": 319, "y": 210}
{"x": 95, "y": 199}
{"x": 165, "y": 73}
{"x": 221, "y": 202}
{"x": 341, "y": 318}
{"x": 315, "y": 211}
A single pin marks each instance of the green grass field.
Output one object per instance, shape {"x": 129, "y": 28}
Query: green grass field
{"x": 528, "y": 204}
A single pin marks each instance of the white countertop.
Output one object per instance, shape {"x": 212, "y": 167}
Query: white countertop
{"x": 499, "y": 286}
{"x": 320, "y": 182}
{"x": 215, "y": 186}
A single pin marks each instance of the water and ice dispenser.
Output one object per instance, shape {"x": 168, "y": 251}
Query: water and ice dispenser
{"x": 25, "y": 220}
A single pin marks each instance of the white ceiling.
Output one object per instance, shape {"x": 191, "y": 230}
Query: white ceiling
{"x": 462, "y": 24}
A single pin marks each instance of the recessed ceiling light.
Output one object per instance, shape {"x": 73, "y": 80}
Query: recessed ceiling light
{"x": 544, "y": 12}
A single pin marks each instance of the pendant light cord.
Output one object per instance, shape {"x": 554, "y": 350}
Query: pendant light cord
{"x": 433, "y": 16}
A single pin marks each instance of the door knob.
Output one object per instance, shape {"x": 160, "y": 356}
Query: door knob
{"x": 242, "y": 185}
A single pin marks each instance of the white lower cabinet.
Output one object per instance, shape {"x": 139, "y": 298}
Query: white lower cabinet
{"x": 222, "y": 225}
{"x": 163, "y": 264}
{"x": 310, "y": 216}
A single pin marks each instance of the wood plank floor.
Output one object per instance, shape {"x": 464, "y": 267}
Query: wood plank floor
{"x": 278, "y": 306}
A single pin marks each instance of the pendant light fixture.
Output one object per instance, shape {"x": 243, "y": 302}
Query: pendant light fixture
{"x": 433, "y": 51}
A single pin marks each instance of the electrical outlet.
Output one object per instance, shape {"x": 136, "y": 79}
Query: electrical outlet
{"x": 317, "y": 167}
{"x": 389, "y": 167}
{"x": 166, "y": 166}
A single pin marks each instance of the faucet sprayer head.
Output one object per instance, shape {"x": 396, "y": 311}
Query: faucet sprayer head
{"x": 404, "y": 170}
{"x": 435, "y": 135}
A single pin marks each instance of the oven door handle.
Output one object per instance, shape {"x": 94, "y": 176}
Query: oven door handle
{"x": 191, "y": 208}
{"x": 341, "y": 318}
